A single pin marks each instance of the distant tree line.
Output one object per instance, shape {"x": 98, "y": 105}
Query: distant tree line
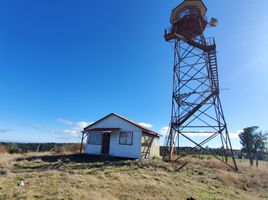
{"x": 36, "y": 147}
{"x": 207, "y": 151}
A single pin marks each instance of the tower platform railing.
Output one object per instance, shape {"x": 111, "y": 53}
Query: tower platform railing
{"x": 171, "y": 34}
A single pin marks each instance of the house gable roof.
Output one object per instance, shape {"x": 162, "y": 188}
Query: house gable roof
{"x": 144, "y": 129}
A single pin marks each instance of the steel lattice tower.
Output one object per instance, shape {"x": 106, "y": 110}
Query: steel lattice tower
{"x": 196, "y": 106}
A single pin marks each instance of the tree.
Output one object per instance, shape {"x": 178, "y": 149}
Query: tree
{"x": 266, "y": 152}
{"x": 259, "y": 146}
{"x": 253, "y": 143}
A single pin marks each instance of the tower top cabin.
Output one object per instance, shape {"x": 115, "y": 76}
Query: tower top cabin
{"x": 188, "y": 20}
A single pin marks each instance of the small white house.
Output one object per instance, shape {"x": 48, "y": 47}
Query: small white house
{"x": 117, "y": 136}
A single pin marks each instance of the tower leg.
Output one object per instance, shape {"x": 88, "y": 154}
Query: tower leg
{"x": 196, "y": 106}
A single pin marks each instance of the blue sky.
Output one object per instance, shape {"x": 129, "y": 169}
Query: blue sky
{"x": 67, "y": 63}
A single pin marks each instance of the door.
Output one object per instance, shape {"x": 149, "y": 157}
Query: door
{"x": 105, "y": 143}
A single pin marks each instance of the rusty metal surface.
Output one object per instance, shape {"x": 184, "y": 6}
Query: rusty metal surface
{"x": 196, "y": 105}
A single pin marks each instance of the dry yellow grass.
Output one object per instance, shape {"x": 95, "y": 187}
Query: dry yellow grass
{"x": 49, "y": 176}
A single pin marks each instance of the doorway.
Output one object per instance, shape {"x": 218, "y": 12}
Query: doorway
{"x": 105, "y": 143}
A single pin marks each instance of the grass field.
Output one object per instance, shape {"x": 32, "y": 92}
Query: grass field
{"x": 50, "y": 176}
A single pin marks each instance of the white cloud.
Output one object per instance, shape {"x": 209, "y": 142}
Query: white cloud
{"x": 146, "y": 125}
{"x": 53, "y": 131}
{"x": 5, "y": 130}
{"x": 232, "y": 135}
{"x": 83, "y": 124}
{"x": 36, "y": 126}
{"x": 65, "y": 121}
{"x": 200, "y": 134}
{"x": 235, "y": 135}
{"x": 74, "y": 129}
{"x": 72, "y": 132}
{"x": 164, "y": 130}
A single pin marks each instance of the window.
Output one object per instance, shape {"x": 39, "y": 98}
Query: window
{"x": 95, "y": 138}
{"x": 186, "y": 11}
{"x": 126, "y": 138}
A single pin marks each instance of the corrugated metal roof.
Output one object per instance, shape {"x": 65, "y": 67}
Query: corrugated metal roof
{"x": 144, "y": 129}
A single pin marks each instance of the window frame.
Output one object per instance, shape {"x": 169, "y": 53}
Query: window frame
{"x": 94, "y": 133}
{"x": 129, "y": 144}
{"x": 186, "y": 11}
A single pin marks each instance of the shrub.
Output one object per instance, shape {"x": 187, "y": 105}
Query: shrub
{"x": 69, "y": 148}
{"x": 3, "y": 149}
{"x": 14, "y": 150}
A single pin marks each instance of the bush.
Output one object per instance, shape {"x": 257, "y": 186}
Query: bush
{"x": 3, "y": 149}
{"x": 69, "y": 148}
{"x": 14, "y": 150}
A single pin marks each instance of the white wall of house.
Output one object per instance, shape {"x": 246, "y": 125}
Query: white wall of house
{"x": 93, "y": 149}
{"x": 130, "y": 151}
{"x": 116, "y": 149}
